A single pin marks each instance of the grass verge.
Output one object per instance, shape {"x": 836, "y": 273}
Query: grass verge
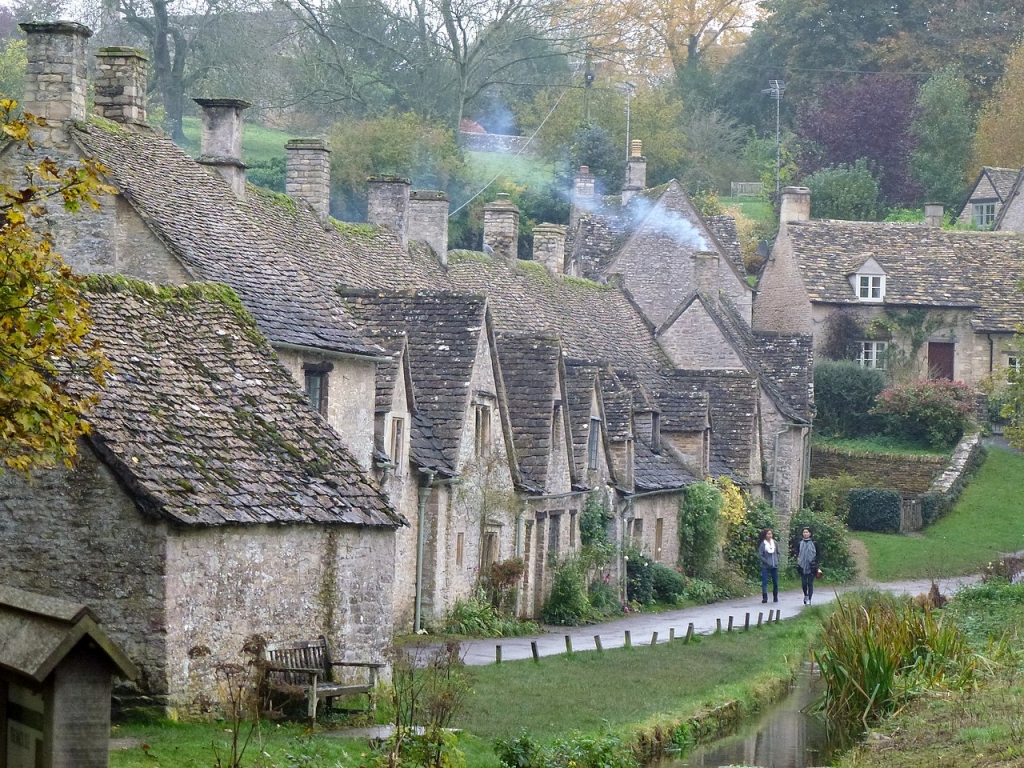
{"x": 978, "y": 727}
{"x": 626, "y": 690}
{"x": 985, "y": 523}
{"x": 259, "y": 144}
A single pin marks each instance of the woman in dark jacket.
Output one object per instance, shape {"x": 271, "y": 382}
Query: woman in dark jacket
{"x": 807, "y": 564}
{"x": 768, "y": 551}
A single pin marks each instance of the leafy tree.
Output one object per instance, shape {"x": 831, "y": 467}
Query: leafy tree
{"x": 43, "y": 316}
{"x": 869, "y": 118}
{"x": 13, "y": 63}
{"x": 714, "y": 152}
{"x": 846, "y": 192}
{"x": 944, "y": 128}
{"x": 594, "y": 147}
{"x": 397, "y": 144}
{"x": 1000, "y": 141}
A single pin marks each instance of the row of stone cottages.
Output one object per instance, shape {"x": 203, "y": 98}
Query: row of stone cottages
{"x": 454, "y": 409}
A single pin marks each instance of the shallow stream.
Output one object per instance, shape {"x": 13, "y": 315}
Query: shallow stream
{"x": 784, "y": 736}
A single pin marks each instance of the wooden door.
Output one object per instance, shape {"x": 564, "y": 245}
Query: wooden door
{"x": 940, "y": 360}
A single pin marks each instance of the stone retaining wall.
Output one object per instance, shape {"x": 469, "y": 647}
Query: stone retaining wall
{"x": 910, "y": 475}
{"x": 963, "y": 457}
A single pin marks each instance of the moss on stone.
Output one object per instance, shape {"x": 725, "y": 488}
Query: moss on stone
{"x": 351, "y": 229}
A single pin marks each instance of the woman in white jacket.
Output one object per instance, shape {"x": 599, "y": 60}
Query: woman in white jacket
{"x": 768, "y": 551}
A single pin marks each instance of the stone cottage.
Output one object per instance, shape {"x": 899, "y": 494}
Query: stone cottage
{"x": 933, "y": 302}
{"x": 991, "y": 191}
{"x": 209, "y": 503}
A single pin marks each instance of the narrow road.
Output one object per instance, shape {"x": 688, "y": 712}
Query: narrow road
{"x": 642, "y": 627}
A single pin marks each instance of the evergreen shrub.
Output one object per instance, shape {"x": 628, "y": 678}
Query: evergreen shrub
{"x": 668, "y": 584}
{"x": 831, "y": 494}
{"x": 743, "y": 538}
{"x": 844, "y": 394}
{"x": 698, "y": 528}
{"x": 830, "y": 536}
{"x": 639, "y": 578}
{"x": 568, "y": 604}
{"x": 875, "y": 509}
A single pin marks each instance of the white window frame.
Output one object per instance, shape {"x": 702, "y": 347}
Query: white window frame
{"x": 870, "y": 287}
{"x": 396, "y": 444}
{"x": 872, "y": 354}
{"x": 983, "y": 214}
{"x": 1013, "y": 362}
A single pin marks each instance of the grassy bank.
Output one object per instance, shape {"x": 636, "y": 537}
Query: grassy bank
{"x": 623, "y": 689}
{"x": 985, "y": 523}
{"x": 879, "y": 444}
{"x": 979, "y": 727}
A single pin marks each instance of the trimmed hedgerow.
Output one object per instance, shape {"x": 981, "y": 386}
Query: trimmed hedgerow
{"x": 935, "y": 412}
{"x": 875, "y": 509}
{"x": 844, "y": 394}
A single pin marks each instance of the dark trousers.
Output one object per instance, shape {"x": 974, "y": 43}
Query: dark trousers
{"x": 767, "y": 572}
{"x": 807, "y": 582}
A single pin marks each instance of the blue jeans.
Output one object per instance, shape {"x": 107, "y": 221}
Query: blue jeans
{"x": 765, "y": 573}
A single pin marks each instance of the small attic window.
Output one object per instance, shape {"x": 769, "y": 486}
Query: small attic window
{"x": 870, "y": 287}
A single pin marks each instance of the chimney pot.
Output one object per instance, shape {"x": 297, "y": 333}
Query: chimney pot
{"x": 220, "y": 140}
{"x": 308, "y": 174}
{"x": 428, "y": 220}
{"x": 636, "y": 147}
{"x": 795, "y": 204}
{"x": 387, "y": 204}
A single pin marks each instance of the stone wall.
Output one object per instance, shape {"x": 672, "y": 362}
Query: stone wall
{"x": 910, "y": 475}
{"x": 695, "y": 342}
{"x": 77, "y": 536}
{"x": 285, "y": 582}
{"x": 495, "y": 142}
{"x": 782, "y": 304}
{"x": 660, "y": 515}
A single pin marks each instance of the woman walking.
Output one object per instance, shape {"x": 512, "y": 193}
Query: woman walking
{"x": 807, "y": 564}
{"x": 768, "y": 551}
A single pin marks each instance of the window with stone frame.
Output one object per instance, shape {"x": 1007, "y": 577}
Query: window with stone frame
{"x": 593, "y": 443}
{"x": 1013, "y": 363}
{"x": 317, "y": 379}
{"x": 872, "y": 354}
{"x": 482, "y": 429}
{"x": 870, "y": 287}
{"x": 983, "y": 214}
{"x": 396, "y": 444}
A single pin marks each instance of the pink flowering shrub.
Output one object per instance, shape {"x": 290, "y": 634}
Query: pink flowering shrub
{"x": 935, "y": 412}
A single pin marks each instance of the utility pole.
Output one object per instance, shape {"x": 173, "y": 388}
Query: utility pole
{"x": 630, "y": 89}
{"x": 776, "y": 88}
{"x": 588, "y": 81}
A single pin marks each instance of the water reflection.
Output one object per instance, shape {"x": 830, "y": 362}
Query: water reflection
{"x": 784, "y": 737}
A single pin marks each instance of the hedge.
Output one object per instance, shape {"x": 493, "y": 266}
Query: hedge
{"x": 875, "y": 509}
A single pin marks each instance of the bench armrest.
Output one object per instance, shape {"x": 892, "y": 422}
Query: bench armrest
{"x": 367, "y": 664}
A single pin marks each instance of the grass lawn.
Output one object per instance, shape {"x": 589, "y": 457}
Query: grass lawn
{"x": 621, "y": 689}
{"x": 986, "y": 522}
{"x": 754, "y": 208}
{"x": 191, "y": 745}
{"x": 526, "y": 171}
{"x": 879, "y": 444}
{"x": 259, "y": 144}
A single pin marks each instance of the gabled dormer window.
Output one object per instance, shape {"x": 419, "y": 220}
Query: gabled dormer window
{"x": 870, "y": 287}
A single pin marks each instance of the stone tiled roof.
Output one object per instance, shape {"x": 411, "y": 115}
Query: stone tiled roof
{"x": 924, "y": 266}
{"x": 222, "y": 239}
{"x": 656, "y": 471}
{"x": 733, "y": 397}
{"x": 524, "y": 297}
{"x": 529, "y": 368}
{"x": 443, "y": 331}
{"x": 201, "y": 423}
{"x": 1002, "y": 179}
{"x": 723, "y": 228}
{"x": 618, "y": 408}
{"x": 426, "y": 449}
{"x": 389, "y": 368}
{"x": 682, "y": 409}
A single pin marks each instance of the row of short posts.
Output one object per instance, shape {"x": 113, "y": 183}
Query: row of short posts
{"x": 773, "y": 617}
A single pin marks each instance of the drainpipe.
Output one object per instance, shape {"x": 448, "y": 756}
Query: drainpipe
{"x": 520, "y": 535}
{"x": 626, "y": 508}
{"x": 424, "y": 495}
{"x": 991, "y": 352}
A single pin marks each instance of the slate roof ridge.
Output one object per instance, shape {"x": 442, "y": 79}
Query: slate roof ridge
{"x": 202, "y": 424}
{"x": 998, "y": 178}
{"x": 1010, "y": 196}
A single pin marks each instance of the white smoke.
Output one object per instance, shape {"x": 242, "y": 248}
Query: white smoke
{"x": 670, "y": 223}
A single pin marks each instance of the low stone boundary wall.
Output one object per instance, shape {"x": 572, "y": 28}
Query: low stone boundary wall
{"x": 496, "y": 142}
{"x": 910, "y": 475}
{"x": 964, "y": 456}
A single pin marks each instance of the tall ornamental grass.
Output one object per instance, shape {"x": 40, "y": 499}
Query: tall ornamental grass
{"x": 879, "y": 653}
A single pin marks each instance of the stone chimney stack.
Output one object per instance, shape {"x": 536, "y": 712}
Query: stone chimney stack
{"x": 933, "y": 214}
{"x": 56, "y": 76}
{"x": 119, "y": 92}
{"x": 501, "y": 228}
{"x": 428, "y": 220}
{"x": 307, "y": 175}
{"x": 549, "y": 247}
{"x": 582, "y": 196}
{"x": 387, "y": 204}
{"x": 705, "y": 274}
{"x": 636, "y": 172}
{"x": 220, "y": 140}
{"x": 795, "y": 204}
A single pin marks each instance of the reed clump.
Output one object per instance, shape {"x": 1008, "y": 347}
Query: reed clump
{"x": 879, "y": 652}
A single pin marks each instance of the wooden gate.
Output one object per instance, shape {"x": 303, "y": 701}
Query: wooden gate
{"x": 910, "y": 516}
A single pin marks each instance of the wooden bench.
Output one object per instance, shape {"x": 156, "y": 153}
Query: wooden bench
{"x": 307, "y": 664}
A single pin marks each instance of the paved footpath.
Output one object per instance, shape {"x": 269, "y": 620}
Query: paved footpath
{"x": 643, "y": 626}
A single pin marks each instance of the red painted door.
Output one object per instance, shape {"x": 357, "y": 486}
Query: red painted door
{"x": 940, "y": 360}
